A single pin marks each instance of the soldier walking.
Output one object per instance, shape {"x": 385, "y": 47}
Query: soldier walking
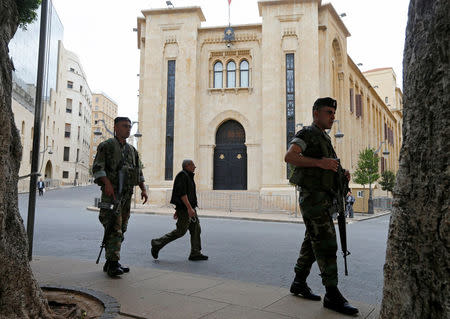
{"x": 114, "y": 155}
{"x": 184, "y": 198}
{"x": 313, "y": 155}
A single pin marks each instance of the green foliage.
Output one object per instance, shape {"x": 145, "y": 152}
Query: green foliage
{"x": 27, "y": 11}
{"x": 367, "y": 170}
{"x": 387, "y": 181}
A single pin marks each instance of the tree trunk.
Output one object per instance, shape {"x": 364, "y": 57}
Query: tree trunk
{"x": 20, "y": 296}
{"x": 417, "y": 269}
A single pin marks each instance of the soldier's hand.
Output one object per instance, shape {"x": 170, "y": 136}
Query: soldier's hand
{"x": 347, "y": 174}
{"x": 109, "y": 189}
{"x": 144, "y": 196}
{"x": 328, "y": 164}
{"x": 191, "y": 212}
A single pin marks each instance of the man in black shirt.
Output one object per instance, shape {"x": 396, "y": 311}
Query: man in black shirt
{"x": 184, "y": 198}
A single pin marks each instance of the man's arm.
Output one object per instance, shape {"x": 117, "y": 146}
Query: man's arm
{"x": 99, "y": 171}
{"x": 294, "y": 156}
{"x": 144, "y": 195}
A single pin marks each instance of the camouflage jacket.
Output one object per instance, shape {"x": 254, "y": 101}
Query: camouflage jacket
{"x": 107, "y": 162}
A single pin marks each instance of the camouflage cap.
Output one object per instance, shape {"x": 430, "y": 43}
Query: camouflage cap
{"x": 325, "y": 101}
{"x": 121, "y": 119}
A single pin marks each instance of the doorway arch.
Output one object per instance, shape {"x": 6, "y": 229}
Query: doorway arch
{"x": 230, "y": 157}
{"x": 48, "y": 170}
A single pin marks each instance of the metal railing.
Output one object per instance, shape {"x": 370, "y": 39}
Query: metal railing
{"x": 241, "y": 201}
{"x": 382, "y": 202}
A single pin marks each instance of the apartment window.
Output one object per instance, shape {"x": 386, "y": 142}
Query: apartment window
{"x": 67, "y": 130}
{"x": 231, "y": 74}
{"x": 78, "y": 154}
{"x": 68, "y": 105}
{"x": 80, "y": 107}
{"x": 81, "y": 88}
{"x": 72, "y": 70}
{"x": 386, "y": 100}
{"x": 65, "y": 174}
{"x": 243, "y": 74}
{"x": 96, "y": 99}
{"x": 218, "y": 75}
{"x": 360, "y": 194}
{"x": 69, "y": 84}
{"x": 66, "y": 153}
{"x": 78, "y": 136}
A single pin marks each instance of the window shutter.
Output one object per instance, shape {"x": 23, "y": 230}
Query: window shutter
{"x": 358, "y": 105}
{"x": 382, "y": 164}
{"x": 385, "y": 131}
{"x": 352, "y": 102}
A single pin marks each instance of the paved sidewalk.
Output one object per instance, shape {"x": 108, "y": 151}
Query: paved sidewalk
{"x": 154, "y": 293}
{"x": 257, "y": 216}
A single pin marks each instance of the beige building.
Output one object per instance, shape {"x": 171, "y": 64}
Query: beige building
{"x": 232, "y": 105}
{"x": 77, "y": 101}
{"x": 103, "y": 113}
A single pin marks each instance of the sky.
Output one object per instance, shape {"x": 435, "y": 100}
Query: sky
{"x": 101, "y": 33}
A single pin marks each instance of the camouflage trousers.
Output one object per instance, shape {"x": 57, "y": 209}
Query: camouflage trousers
{"x": 115, "y": 237}
{"x": 320, "y": 238}
{"x": 183, "y": 225}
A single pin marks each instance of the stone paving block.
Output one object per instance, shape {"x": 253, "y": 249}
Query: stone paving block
{"x": 185, "y": 284}
{"x": 166, "y": 305}
{"x": 302, "y": 308}
{"x": 244, "y": 294}
{"x": 240, "y": 312}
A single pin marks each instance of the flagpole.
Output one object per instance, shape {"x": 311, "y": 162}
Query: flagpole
{"x": 229, "y": 19}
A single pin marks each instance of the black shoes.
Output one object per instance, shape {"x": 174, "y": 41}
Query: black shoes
{"x": 113, "y": 269}
{"x": 335, "y": 301}
{"x": 125, "y": 269}
{"x": 198, "y": 257}
{"x": 154, "y": 250}
{"x": 302, "y": 289}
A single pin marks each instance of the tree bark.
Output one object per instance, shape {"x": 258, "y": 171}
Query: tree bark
{"x": 417, "y": 269}
{"x": 20, "y": 295}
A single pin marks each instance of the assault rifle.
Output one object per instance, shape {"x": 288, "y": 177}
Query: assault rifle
{"x": 342, "y": 191}
{"x": 114, "y": 211}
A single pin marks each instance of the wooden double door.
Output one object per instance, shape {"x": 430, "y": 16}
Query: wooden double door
{"x": 230, "y": 157}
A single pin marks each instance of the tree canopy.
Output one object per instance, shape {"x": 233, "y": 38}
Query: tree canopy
{"x": 27, "y": 11}
{"x": 387, "y": 181}
{"x": 367, "y": 170}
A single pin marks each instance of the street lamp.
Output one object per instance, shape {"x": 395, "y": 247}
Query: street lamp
{"x": 370, "y": 203}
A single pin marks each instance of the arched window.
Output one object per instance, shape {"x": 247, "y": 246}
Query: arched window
{"x": 243, "y": 74}
{"x": 218, "y": 82}
{"x": 231, "y": 74}
{"x": 23, "y": 128}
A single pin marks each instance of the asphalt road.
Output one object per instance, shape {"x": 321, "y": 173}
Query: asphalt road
{"x": 251, "y": 251}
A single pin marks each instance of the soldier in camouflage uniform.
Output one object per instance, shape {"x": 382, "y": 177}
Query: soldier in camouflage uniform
{"x": 314, "y": 158}
{"x": 112, "y": 155}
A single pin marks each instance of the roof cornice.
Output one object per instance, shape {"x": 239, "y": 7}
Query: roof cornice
{"x": 160, "y": 11}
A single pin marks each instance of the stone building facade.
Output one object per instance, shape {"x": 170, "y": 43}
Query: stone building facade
{"x": 103, "y": 113}
{"x": 77, "y": 107}
{"x": 233, "y": 105}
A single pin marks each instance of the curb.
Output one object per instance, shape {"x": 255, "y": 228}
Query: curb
{"x": 299, "y": 221}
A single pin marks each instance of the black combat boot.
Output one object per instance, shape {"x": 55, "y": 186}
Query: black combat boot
{"x": 154, "y": 250}
{"x": 113, "y": 269}
{"x": 124, "y": 268}
{"x": 300, "y": 287}
{"x": 335, "y": 301}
